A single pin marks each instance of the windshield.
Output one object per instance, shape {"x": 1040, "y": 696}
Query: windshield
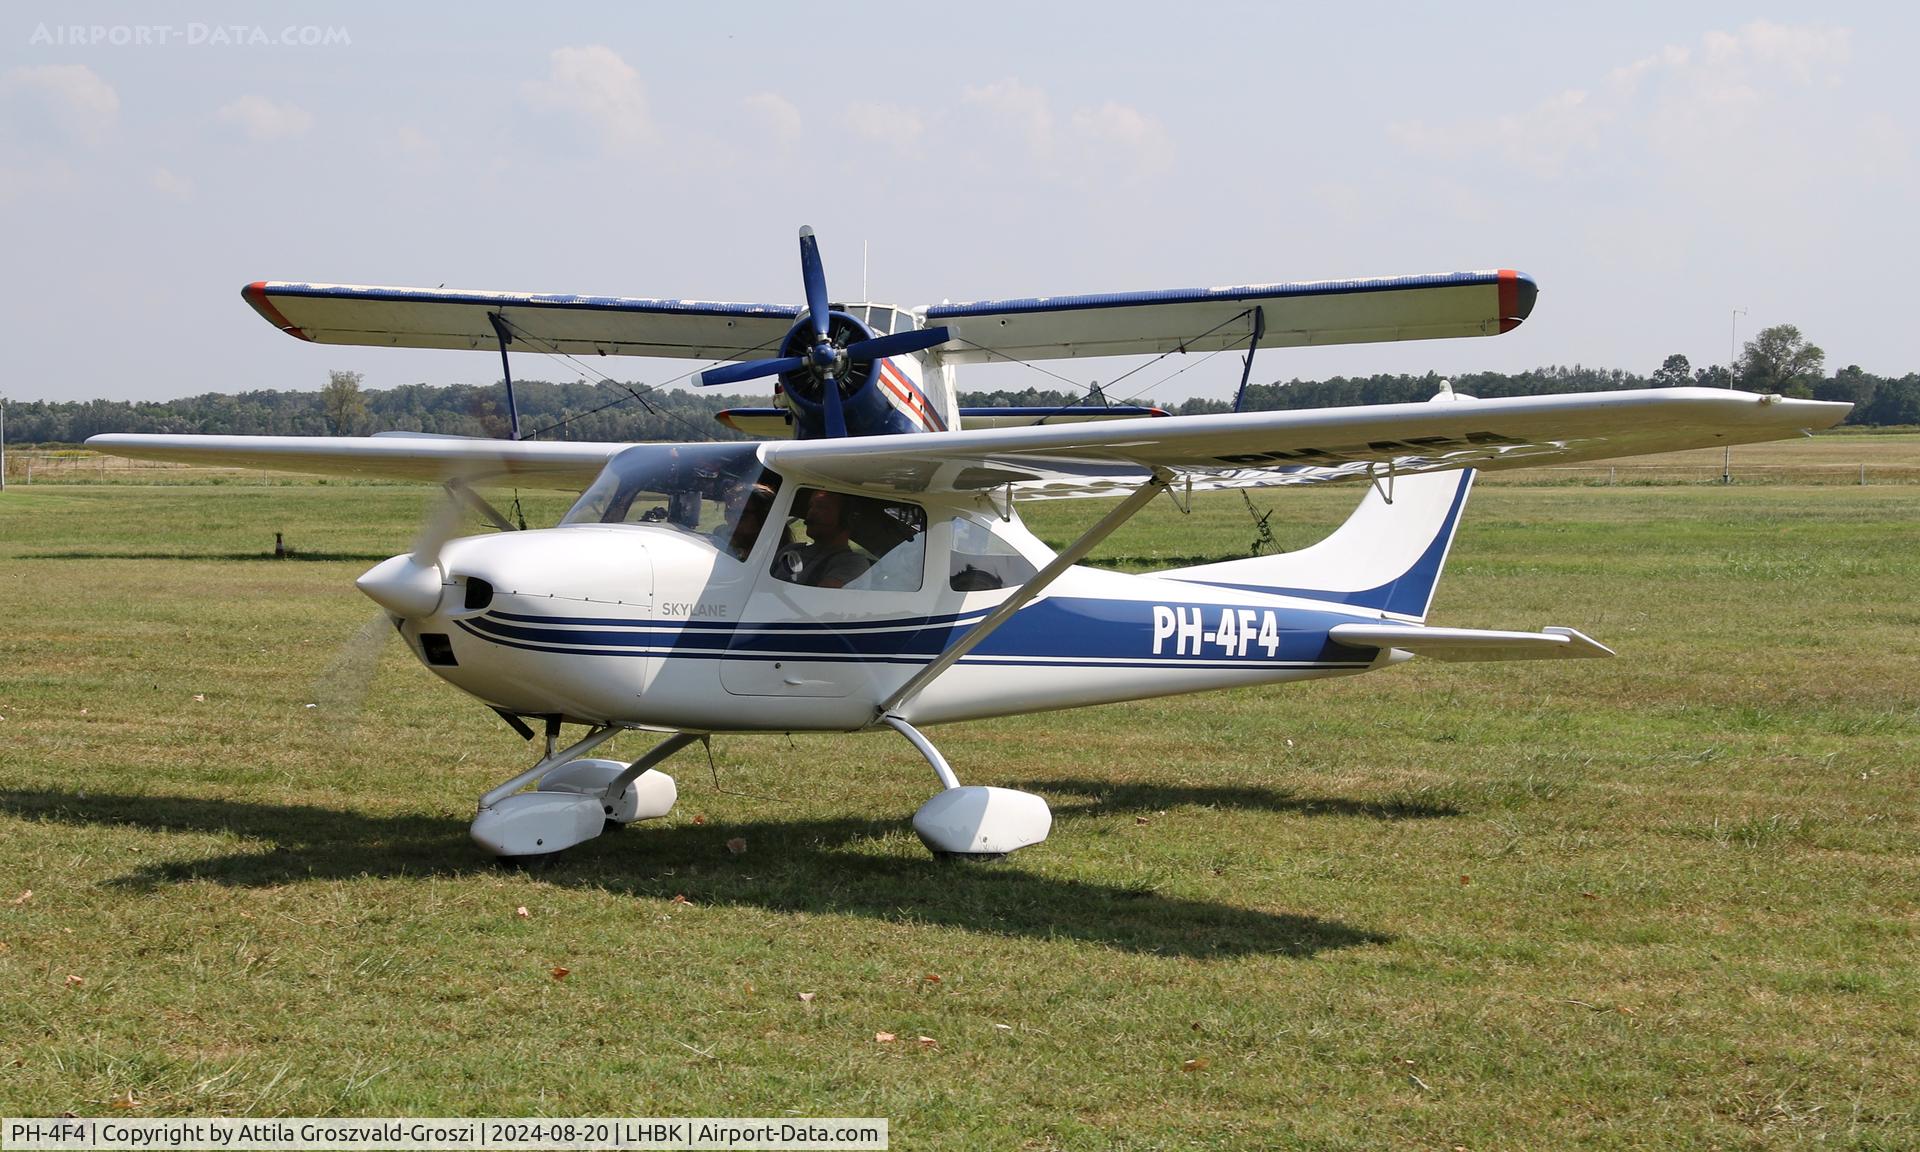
{"x": 716, "y": 492}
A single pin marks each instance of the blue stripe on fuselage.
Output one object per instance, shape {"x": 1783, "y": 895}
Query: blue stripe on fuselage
{"x": 1056, "y": 629}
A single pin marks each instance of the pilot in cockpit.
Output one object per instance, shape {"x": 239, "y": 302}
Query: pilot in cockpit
{"x": 829, "y": 561}
{"x": 746, "y": 514}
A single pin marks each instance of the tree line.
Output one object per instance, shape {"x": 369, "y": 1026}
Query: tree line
{"x": 1779, "y": 359}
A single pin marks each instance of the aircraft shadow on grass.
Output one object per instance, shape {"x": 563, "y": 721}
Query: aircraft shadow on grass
{"x": 811, "y": 866}
{"x": 1097, "y": 796}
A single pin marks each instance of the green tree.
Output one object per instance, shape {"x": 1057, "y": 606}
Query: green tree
{"x": 1853, "y": 385}
{"x": 1780, "y": 360}
{"x": 1673, "y": 372}
{"x": 342, "y": 404}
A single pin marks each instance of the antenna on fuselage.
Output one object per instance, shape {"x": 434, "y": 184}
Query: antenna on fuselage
{"x": 864, "y": 295}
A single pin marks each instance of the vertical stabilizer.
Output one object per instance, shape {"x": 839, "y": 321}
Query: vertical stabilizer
{"x": 1387, "y": 556}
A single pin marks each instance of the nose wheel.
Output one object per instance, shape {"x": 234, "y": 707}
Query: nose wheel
{"x": 574, "y": 798}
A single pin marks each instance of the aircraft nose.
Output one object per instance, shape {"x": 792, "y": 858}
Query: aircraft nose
{"x": 404, "y": 586}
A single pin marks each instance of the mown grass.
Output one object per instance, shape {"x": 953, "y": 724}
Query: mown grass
{"x": 1662, "y": 901}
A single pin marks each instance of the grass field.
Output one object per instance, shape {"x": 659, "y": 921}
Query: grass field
{"x": 1666, "y": 901}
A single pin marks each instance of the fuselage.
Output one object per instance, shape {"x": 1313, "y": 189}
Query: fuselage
{"x": 623, "y": 616}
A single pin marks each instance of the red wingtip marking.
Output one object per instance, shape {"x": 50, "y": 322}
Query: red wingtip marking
{"x": 1509, "y": 299}
{"x": 256, "y": 295}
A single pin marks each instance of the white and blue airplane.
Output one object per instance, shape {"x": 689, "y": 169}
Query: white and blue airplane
{"x": 872, "y": 571}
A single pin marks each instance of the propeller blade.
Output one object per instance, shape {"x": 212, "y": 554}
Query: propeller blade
{"x": 340, "y": 691}
{"x": 442, "y": 525}
{"x": 815, "y": 277}
{"x": 830, "y": 397}
{"x": 748, "y": 370}
{"x": 881, "y": 347}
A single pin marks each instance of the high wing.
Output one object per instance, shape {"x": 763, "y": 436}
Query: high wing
{"x": 1310, "y": 446}
{"x": 1253, "y": 449}
{"x": 569, "y": 466}
{"x": 1210, "y": 319}
{"x": 539, "y": 322}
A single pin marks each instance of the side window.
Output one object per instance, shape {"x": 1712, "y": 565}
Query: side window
{"x": 982, "y": 561}
{"x": 855, "y": 542}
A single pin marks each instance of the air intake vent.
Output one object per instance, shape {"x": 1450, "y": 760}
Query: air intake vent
{"x": 479, "y": 594}
{"x": 438, "y": 650}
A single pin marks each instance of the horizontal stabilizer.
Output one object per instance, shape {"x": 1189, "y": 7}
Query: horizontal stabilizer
{"x": 1471, "y": 644}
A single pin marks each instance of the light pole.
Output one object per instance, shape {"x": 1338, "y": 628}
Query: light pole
{"x": 1733, "y": 325}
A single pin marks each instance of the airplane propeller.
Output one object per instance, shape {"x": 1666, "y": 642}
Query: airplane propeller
{"x": 405, "y": 585}
{"x": 827, "y": 362}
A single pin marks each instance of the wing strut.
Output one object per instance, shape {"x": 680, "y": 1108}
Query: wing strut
{"x": 1246, "y": 370}
{"x": 1073, "y": 554}
{"x": 513, "y": 410}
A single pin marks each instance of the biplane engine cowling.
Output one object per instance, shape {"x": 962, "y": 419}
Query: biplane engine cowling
{"x": 826, "y": 363}
{"x": 862, "y": 405}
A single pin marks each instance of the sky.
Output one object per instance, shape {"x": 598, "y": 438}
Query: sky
{"x": 1652, "y": 166}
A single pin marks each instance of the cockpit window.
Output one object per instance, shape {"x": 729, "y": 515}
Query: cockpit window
{"x": 982, "y": 561}
{"x": 718, "y": 493}
{"x": 853, "y": 542}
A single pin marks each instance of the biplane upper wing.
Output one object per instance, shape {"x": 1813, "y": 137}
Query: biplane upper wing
{"x": 1210, "y": 319}
{"x": 537, "y": 322}
{"x": 1275, "y": 448}
{"x": 1109, "y": 324}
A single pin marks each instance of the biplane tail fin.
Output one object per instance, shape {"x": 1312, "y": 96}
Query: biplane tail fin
{"x": 1387, "y": 556}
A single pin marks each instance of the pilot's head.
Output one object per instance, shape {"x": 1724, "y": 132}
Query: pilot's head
{"x": 825, "y": 518}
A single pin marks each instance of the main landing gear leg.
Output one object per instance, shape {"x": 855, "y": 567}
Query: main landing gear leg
{"x": 975, "y": 821}
{"x": 574, "y": 798}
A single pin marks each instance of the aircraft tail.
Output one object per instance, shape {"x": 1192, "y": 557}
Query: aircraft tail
{"x": 1387, "y": 556}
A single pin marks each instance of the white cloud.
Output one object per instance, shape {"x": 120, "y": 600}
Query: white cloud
{"x": 262, "y": 119}
{"x": 1107, "y": 136}
{"x": 594, "y": 83}
{"x": 778, "y": 114}
{"x": 80, "y": 100}
{"x": 888, "y": 124}
{"x": 1142, "y": 141}
{"x": 1688, "y": 104}
{"x": 1026, "y": 107}
{"x": 171, "y": 184}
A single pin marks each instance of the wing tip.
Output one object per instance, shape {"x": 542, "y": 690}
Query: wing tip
{"x": 1518, "y": 292}
{"x": 255, "y": 294}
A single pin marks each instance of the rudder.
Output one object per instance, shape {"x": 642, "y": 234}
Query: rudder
{"x": 1388, "y": 555}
